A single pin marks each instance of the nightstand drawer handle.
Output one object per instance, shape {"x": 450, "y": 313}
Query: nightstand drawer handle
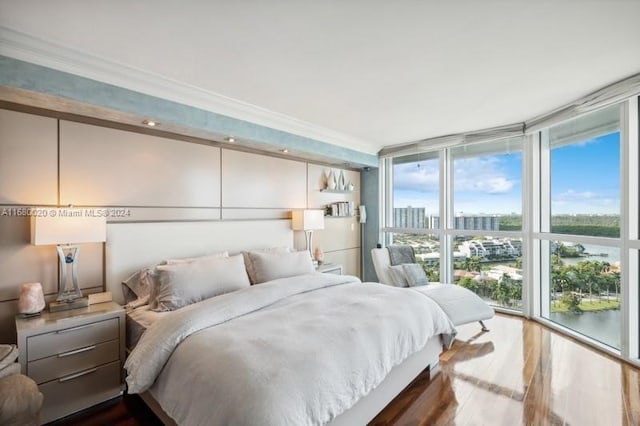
{"x": 75, "y": 376}
{"x": 68, "y": 330}
{"x": 77, "y": 351}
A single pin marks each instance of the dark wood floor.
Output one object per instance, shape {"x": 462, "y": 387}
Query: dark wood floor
{"x": 518, "y": 373}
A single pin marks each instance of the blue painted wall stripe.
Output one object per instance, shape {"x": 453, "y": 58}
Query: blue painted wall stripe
{"x": 36, "y": 78}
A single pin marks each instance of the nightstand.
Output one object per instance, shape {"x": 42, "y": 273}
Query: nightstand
{"x": 74, "y": 356}
{"x": 330, "y": 268}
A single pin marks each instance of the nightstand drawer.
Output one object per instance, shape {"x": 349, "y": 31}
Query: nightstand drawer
{"x": 75, "y": 360}
{"x": 68, "y": 339}
{"x": 80, "y": 390}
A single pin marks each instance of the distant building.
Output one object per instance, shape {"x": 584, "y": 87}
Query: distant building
{"x": 491, "y": 249}
{"x": 409, "y": 217}
{"x": 473, "y": 223}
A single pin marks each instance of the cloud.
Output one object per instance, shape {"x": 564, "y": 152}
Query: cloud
{"x": 479, "y": 175}
{"x": 482, "y": 175}
{"x": 572, "y": 195}
{"x": 585, "y": 202}
{"x": 422, "y": 176}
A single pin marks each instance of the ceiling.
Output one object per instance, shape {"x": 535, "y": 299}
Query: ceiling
{"x": 376, "y": 72}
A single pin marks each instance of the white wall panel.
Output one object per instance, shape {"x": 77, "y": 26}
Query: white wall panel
{"x": 252, "y": 180}
{"x": 20, "y": 262}
{"x": 339, "y": 233}
{"x": 28, "y": 159}
{"x": 101, "y": 166}
{"x": 349, "y": 259}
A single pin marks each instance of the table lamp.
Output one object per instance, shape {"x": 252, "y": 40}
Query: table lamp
{"x": 67, "y": 228}
{"x": 307, "y": 221}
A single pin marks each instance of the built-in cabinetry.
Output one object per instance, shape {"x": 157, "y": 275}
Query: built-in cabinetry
{"x": 74, "y": 356}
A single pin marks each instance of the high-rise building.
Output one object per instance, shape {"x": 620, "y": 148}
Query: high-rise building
{"x": 409, "y": 217}
{"x": 475, "y": 223}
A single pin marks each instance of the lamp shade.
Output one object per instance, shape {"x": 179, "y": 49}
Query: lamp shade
{"x": 67, "y": 226}
{"x": 307, "y": 220}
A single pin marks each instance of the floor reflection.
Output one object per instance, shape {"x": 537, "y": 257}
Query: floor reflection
{"x": 520, "y": 373}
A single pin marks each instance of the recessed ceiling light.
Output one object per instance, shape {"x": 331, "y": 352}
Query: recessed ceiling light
{"x": 284, "y": 150}
{"x": 230, "y": 139}
{"x": 150, "y": 123}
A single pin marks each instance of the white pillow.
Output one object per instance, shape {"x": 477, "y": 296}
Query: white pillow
{"x": 415, "y": 274}
{"x": 181, "y": 284}
{"x": 197, "y": 259}
{"x": 396, "y": 272}
{"x": 249, "y": 263}
{"x": 271, "y": 266}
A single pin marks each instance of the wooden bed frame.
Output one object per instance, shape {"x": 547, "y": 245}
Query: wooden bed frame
{"x": 132, "y": 246}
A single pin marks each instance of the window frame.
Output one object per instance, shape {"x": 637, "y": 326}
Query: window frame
{"x": 536, "y": 225}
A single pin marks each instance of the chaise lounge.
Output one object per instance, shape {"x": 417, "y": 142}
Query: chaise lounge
{"x": 462, "y": 306}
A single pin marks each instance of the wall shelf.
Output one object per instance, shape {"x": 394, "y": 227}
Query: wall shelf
{"x": 337, "y": 191}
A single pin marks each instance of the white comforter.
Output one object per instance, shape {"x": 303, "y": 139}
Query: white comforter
{"x": 294, "y": 351}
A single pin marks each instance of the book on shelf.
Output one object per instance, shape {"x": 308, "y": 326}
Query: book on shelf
{"x": 341, "y": 209}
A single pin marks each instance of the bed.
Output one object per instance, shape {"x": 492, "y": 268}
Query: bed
{"x": 306, "y": 349}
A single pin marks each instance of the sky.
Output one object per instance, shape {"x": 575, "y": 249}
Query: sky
{"x": 585, "y": 180}
{"x": 586, "y": 177}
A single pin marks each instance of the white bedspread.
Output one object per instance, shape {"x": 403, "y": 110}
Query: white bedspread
{"x": 294, "y": 351}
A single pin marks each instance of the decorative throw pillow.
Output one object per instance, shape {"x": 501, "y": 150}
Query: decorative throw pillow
{"x": 182, "y": 284}
{"x": 398, "y": 276}
{"x": 415, "y": 274}
{"x": 271, "y": 266}
{"x": 249, "y": 263}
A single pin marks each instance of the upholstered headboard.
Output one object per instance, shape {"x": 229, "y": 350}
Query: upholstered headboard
{"x": 132, "y": 246}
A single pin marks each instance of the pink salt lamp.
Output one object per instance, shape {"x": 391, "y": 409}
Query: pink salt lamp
{"x": 31, "y": 299}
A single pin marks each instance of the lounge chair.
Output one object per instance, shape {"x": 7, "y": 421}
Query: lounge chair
{"x": 462, "y": 306}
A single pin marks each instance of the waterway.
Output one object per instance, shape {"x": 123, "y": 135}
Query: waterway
{"x": 604, "y": 326}
{"x": 611, "y": 255}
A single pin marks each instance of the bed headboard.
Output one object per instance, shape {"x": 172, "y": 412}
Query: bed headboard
{"x": 132, "y": 246}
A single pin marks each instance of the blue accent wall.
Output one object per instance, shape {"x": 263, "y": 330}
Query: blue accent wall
{"x": 369, "y": 179}
{"x": 36, "y": 78}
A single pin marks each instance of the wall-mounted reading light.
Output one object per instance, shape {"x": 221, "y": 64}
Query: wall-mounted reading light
{"x": 230, "y": 139}
{"x": 150, "y": 123}
{"x": 284, "y": 150}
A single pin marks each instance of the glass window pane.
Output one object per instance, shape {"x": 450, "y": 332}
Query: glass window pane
{"x": 487, "y": 185}
{"x": 491, "y": 268}
{"x": 584, "y": 290}
{"x": 585, "y": 175}
{"x": 416, "y": 191}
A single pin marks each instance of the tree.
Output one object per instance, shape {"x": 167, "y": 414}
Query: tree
{"x": 474, "y": 263}
{"x": 572, "y": 301}
{"x": 469, "y": 283}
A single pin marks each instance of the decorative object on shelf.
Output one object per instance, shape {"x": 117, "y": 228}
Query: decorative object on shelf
{"x": 66, "y": 228}
{"x": 307, "y": 221}
{"x": 31, "y": 301}
{"x": 350, "y": 186}
{"x": 319, "y": 255}
{"x": 331, "y": 181}
{"x": 341, "y": 183}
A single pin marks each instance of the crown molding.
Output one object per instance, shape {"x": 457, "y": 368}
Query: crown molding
{"x": 41, "y": 52}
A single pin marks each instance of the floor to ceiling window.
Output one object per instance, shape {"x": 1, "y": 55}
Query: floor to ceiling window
{"x": 581, "y": 199}
{"x": 546, "y": 224}
{"x": 414, "y": 211}
{"x": 487, "y": 206}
